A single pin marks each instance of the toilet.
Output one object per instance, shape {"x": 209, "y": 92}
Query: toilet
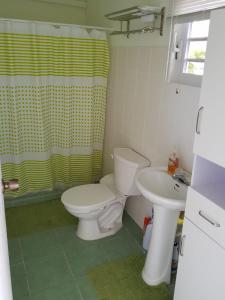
{"x": 100, "y": 206}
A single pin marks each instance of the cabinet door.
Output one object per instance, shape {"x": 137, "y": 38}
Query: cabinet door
{"x": 210, "y": 128}
{"x": 201, "y": 269}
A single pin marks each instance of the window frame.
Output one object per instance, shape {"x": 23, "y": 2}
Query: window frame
{"x": 179, "y": 48}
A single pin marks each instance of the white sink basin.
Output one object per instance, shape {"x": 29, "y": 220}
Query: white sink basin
{"x": 168, "y": 198}
{"x": 161, "y": 189}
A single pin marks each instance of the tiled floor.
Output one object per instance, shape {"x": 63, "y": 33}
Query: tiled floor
{"x": 49, "y": 262}
{"x": 121, "y": 279}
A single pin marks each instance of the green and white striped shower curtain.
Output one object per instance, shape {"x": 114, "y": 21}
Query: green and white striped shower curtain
{"x": 53, "y": 83}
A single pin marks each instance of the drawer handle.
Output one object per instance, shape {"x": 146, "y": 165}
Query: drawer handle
{"x": 181, "y": 247}
{"x": 197, "y": 129}
{"x": 208, "y": 219}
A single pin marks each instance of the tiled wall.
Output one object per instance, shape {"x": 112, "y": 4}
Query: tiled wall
{"x": 145, "y": 113}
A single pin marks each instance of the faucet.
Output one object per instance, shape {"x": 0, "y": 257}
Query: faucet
{"x": 181, "y": 177}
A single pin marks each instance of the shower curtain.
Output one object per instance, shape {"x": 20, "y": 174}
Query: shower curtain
{"x": 53, "y": 83}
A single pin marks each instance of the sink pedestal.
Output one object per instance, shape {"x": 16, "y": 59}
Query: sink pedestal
{"x": 157, "y": 268}
{"x": 168, "y": 198}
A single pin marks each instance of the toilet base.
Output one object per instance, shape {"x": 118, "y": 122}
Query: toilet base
{"x": 88, "y": 229}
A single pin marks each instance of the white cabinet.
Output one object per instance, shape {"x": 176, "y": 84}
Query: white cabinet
{"x": 208, "y": 215}
{"x": 210, "y": 139}
{"x": 201, "y": 269}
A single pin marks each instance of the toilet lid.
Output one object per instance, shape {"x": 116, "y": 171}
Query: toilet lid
{"x": 87, "y": 196}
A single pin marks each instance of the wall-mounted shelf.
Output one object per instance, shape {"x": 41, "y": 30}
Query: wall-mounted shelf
{"x": 148, "y": 14}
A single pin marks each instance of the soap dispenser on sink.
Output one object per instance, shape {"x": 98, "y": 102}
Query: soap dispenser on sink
{"x": 173, "y": 162}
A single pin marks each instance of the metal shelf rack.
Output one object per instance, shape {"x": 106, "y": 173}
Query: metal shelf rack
{"x": 134, "y": 13}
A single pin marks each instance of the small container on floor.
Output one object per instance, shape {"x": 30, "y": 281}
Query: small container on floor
{"x": 148, "y": 233}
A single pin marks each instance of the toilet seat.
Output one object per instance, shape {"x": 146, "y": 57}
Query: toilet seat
{"x": 88, "y": 197}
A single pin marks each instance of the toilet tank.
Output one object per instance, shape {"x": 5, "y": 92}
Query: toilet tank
{"x": 126, "y": 164}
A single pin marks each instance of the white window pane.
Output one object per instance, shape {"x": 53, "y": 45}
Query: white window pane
{"x": 195, "y": 68}
{"x": 199, "y": 29}
{"x": 197, "y": 50}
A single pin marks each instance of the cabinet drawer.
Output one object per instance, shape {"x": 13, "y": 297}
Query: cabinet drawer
{"x": 207, "y": 214}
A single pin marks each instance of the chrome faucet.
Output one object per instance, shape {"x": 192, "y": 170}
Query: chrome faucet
{"x": 180, "y": 177}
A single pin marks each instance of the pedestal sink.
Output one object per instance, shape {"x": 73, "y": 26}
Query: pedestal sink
{"x": 168, "y": 198}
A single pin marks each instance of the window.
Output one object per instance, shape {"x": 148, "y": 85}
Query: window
{"x": 188, "y": 51}
{"x": 194, "y": 59}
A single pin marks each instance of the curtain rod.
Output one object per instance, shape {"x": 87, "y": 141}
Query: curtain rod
{"x": 58, "y": 24}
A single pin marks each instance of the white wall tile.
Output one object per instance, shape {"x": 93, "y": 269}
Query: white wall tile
{"x": 145, "y": 113}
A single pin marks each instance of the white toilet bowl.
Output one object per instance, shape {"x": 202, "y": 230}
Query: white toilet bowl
{"x": 99, "y": 208}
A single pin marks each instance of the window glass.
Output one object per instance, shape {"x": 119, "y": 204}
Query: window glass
{"x": 196, "y": 45}
{"x": 188, "y": 50}
{"x": 197, "y": 49}
{"x": 195, "y": 68}
{"x": 199, "y": 29}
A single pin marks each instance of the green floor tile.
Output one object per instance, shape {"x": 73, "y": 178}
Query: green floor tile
{"x": 25, "y": 220}
{"x": 86, "y": 289}
{"x": 21, "y": 298}
{"x": 67, "y": 237}
{"x": 57, "y": 261}
{"x": 132, "y": 227}
{"x": 19, "y": 282}
{"x": 83, "y": 259}
{"x": 11, "y": 222}
{"x": 65, "y": 233}
{"x": 121, "y": 280}
{"x": 58, "y": 293}
{"x": 15, "y": 254}
{"x": 40, "y": 244}
{"x": 48, "y": 272}
{"x": 118, "y": 247}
